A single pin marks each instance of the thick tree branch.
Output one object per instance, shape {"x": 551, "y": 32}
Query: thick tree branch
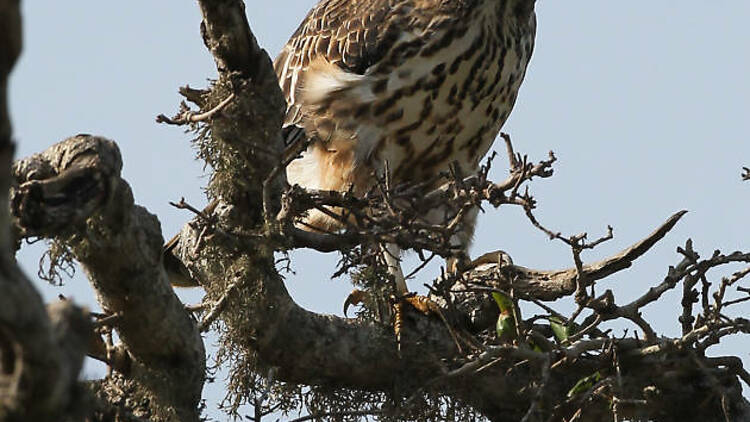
{"x": 73, "y": 192}
{"x": 10, "y": 48}
{"x": 227, "y": 35}
{"x": 262, "y": 326}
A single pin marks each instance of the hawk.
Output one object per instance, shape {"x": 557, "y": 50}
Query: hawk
{"x": 411, "y": 86}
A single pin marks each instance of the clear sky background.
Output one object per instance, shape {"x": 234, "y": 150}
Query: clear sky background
{"x": 646, "y": 104}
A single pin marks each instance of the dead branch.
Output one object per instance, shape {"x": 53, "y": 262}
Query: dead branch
{"x": 119, "y": 246}
{"x": 262, "y": 327}
{"x": 187, "y": 116}
{"x": 554, "y": 284}
{"x": 380, "y": 215}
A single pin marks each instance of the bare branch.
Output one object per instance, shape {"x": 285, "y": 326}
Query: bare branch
{"x": 187, "y": 116}
{"x": 554, "y": 284}
{"x": 119, "y": 245}
{"x": 227, "y": 35}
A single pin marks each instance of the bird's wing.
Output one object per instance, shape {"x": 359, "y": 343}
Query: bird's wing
{"x": 350, "y": 34}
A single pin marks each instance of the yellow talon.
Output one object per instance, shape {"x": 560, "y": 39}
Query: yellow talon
{"x": 355, "y": 298}
{"x": 422, "y": 304}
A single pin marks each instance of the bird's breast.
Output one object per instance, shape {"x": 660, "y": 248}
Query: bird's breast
{"x": 433, "y": 100}
{"x": 444, "y": 103}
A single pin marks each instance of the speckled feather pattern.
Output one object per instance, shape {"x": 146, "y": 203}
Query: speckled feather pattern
{"x": 418, "y": 84}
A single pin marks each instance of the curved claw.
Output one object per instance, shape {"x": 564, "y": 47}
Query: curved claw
{"x": 355, "y": 298}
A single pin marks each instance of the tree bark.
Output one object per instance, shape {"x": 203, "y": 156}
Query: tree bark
{"x": 73, "y": 193}
{"x": 263, "y": 323}
{"x": 41, "y": 350}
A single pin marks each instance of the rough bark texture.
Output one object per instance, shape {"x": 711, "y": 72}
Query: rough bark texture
{"x": 73, "y": 193}
{"x": 308, "y": 348}
{"x": 41, "y": 351}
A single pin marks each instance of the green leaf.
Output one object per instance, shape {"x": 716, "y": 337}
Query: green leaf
{"x": 584, "y": 384}
{"x": 535, "y": 347}
{"x": 503, "y": 302}
{"x": 561, "y": 331}
{"x": 506, "y": 326}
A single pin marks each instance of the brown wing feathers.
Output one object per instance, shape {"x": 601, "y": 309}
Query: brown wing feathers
{"x": 347, "y": 33}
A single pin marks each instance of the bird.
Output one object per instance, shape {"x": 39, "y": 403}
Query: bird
{"x": 404, "y": 87}
{"x": 407, "y": 87}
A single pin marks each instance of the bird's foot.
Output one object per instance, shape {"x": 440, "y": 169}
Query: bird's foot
{"x": 423, "y": 304}
{"x": 356, "y": 297}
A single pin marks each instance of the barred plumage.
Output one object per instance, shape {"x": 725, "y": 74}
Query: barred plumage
{"x": 418, "y": 84}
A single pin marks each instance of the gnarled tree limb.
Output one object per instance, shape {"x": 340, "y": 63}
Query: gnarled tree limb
{"x": 73, "y": 192}
{"x": 263, "y": 327}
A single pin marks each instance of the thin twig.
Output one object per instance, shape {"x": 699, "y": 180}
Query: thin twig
{"x": 186, "y": 116}
{"x": 108, "y": 321}
{"x": 218, "y": 307}
{"x": 420, "y": 267}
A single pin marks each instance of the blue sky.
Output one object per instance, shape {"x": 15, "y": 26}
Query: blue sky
{"x": 646, "y": 105}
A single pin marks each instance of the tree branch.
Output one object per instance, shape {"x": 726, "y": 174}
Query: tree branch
{"x": 261, "y": 326}
{"x": 35, "y": 382}
{"x": 73, "y": 192}
{"x": 227, "y": 35}
{"x": 554, "y": 284}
